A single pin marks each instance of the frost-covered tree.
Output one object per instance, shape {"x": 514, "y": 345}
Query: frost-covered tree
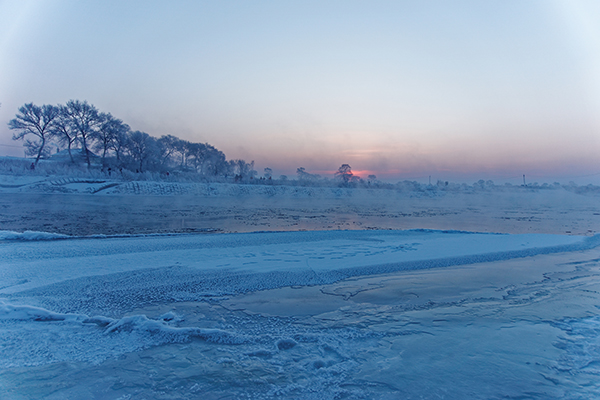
{"x": 33, "y": 148}
{"x": 305, "y": 176}
{"x": 214, "y": 162}
{"x": 86, "y": 121}
{"x": 181, "y": 147}
{"x": 196, "y": 153}
{"x": 252, "y": 171}
{"x": 169, "y": 147}
{"x": 372, "y": 180}
{"x": 301, "y": 172}
{"x": 81, "y": 122}
{"x": 37, "y": 121}
{"x": 107, "y": 132}
{"x": 344, "y": 174}
{"x": 268, "y": 173}
{"x": 120, "y": 143}
{"x": 242, "y": 169}
{"x": 142, "y": 148}
{"x": 64, "y": 131}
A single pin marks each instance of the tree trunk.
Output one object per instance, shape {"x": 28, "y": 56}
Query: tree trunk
{"x": 70, "y": 155}
{"x": 87, "y": 153}
{"x": 40, "y": 151}
{"x": 103, "y": 156}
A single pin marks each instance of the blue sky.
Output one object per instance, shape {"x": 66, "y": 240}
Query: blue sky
{"x": 458, "y": 90}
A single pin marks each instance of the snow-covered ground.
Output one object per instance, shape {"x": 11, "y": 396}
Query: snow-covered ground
{"x": 98, "y": 302}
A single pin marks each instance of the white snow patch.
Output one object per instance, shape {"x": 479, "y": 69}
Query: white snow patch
{"x": 31, "y": 235}
{"x": 30, "y": 313}
{"x": 25, "y": 328}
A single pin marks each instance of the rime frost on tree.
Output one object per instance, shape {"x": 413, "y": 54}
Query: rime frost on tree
{"x": 80, "y": 123}
{"x": 268, "y": 173}
{"x": 142, "y": 148}
{"x": 37, "y": 121}
{"x": 110, "y": 129}
{"x": 305, "y": 176}
{"x": 86, "y": 121}
{"x": 35, "y": 148}
{"x": 344, "y": 174}
{"x": 64, "y": 131}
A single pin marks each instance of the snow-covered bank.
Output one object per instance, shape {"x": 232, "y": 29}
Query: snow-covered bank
{"x": 95, "y": 182}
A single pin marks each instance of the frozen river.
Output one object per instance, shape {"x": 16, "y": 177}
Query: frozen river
{"x": 338, "y": 314}
{"x": 55, "y": 205}
{"x": 385, "y": 295}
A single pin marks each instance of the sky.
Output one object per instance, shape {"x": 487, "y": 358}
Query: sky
{"x": 455, "y": 90}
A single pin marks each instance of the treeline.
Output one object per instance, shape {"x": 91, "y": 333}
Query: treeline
{"x": 104, "y": 142}
{"x": 81, "y": 125}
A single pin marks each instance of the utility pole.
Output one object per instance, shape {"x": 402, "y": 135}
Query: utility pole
{"x": 524, "y": 184}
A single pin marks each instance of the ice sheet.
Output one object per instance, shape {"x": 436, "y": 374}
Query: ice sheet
{"x": 492, "y": 316}
{"x": 297, "y": 258}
